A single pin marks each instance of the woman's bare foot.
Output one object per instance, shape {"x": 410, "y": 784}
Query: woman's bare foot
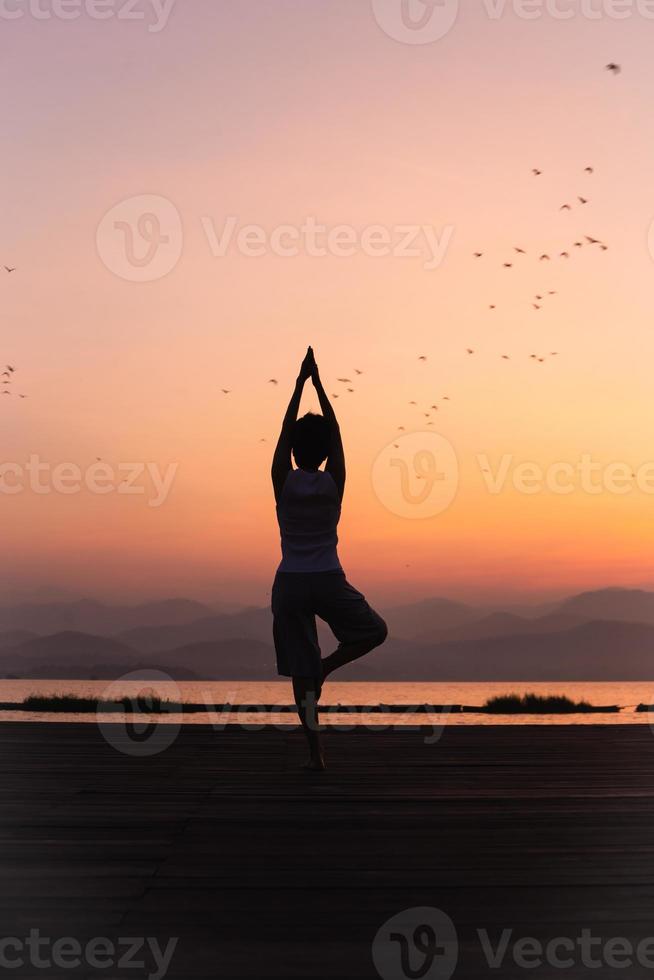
{"x": 316, "y": 764}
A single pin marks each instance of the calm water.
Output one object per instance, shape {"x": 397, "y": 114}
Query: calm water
{"x": 627, "y": 694}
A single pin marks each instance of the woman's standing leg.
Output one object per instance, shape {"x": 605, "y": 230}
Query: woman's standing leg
{"x": 305, "y": 690}
{"x": 298, "y": 654}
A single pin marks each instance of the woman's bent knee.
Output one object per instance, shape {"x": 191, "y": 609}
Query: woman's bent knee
{"x": 380, "y": 632}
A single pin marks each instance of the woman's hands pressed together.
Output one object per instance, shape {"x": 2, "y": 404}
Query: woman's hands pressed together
{"x": 308, "y": 367}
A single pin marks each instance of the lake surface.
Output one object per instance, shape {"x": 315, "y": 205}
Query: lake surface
{"x": 627, "y": 695}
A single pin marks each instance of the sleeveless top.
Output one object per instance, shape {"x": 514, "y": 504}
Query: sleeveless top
{"x": 308, "y": 513}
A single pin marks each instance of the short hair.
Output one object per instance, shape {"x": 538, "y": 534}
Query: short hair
{"x": 311, "y": 441}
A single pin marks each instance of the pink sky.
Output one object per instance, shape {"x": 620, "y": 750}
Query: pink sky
{"x": 273, "y": 114}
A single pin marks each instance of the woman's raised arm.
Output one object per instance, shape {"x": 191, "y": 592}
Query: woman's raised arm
{"x": 282, "y": 459}
{"x": 336, "y": 458}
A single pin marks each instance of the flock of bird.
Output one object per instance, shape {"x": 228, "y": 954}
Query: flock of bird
{"x": 585, "y": 241}
{"x": 537, "y": 301}
{"x": 581, "y": 200}
{"x": 470, "y": 351}
{"x": 537, "y": 304}
{"x": 7, "y": 379}
{"x": 347, "y": 382}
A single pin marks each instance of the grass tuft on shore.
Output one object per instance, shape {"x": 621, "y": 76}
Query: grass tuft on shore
{"x": 534, "y": 704}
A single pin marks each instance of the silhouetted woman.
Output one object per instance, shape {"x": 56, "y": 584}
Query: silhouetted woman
{"x": 310, "y": 581}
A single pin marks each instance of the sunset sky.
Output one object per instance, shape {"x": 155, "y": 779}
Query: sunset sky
{"x": 275, "y": 114}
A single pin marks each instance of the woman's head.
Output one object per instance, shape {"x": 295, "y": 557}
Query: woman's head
{"x": 310, "y": 441}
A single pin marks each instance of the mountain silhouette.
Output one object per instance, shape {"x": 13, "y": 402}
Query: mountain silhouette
{"x": 251, "y": 624}
{"x": 629, "y": 605}
{"x": 14, "y": 637}
{"x": 503, "y": 624}
{"x": 89, "y": 616}
{"x": 590, "y": 636}
{"x": 599, "y": 650}
{"x": 595, "y": 651}
{"x": 429, "y": 616}
{"x": 228, "y": 660}
{"x": 80, "y": 647}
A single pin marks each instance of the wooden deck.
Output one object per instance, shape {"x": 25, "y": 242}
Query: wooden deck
{"x": 263, "y": 870}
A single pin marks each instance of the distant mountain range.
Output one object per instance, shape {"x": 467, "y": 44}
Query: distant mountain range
{"x": 90, "y": 616}
{"x": 601, "y": 635}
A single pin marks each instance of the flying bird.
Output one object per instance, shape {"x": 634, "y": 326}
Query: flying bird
{"x": 544, "y": 258}
{"x": 536, "y": 172}
{"x": 508, "y": 265}
{"x": 225, "y": 391}
{"x": 273, "y": 381}
{"x": 613, "y": 67}
{"x": 422, "y": 358}
{"x": 478, "y": 255}
{"x": 588, "y": 170}
{"x": 356, "y": 371}
{"x": 579, "y": 244}
{"x": 345, "y": 381}
{"x": 505, "y": 357}
{"x": 10, "y": 368}
{"x": 592, "y": 241}
{"x": 469, "y": 350}
{"x": 492, "y": 307}
{"x": 520, "y": 251}
{"x": 565, "y": 207}
{"x": 536, "y": 306}
{"x": 582, "y": 200}
{"x": 9, "y": 269}
{"x": 564, "y": 255}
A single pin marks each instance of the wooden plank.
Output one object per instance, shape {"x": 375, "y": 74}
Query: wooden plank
{"x": 262, "y": 869}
